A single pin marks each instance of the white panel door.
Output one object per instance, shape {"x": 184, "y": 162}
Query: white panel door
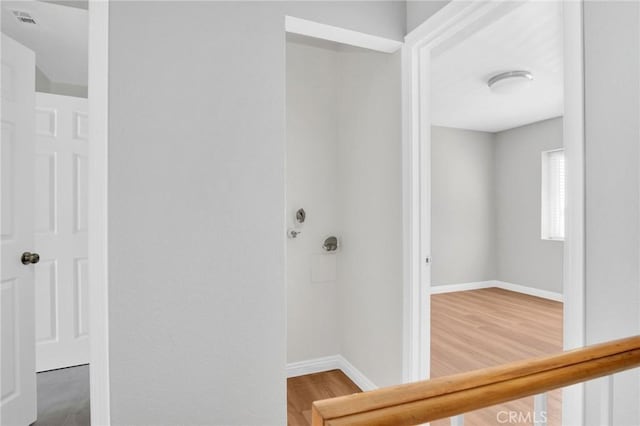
{"x": 61, "y": 232}
{"x": 17, "y": 350}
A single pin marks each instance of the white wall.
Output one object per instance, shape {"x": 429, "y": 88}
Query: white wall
{"x": 612, "y": 56}
{"x": 197, "y": 209}
{"x": 522, "y": 256}
{"x": 463, "y": 232}
{"x": 312, "y": 183}
{"x": 370, "y": 266}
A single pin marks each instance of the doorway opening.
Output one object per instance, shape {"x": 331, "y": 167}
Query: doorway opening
{"x": 343, "y": 212}
{"x": 46, "y": 112}
{"x": 487, "y": 198}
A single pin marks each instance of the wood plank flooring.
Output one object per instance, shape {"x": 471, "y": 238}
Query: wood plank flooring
{"x": 469, "y": 330}
{"x": 481, "y": 328}
{"x": 303, "y": 390}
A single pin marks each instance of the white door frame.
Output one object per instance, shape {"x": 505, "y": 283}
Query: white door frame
{"x": 98, "y": 211}
{"x": 457, "y": 16}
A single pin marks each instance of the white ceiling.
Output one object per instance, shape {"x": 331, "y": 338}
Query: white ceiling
{"x": 528, "y": 38}
{"x": 59, "y": 38}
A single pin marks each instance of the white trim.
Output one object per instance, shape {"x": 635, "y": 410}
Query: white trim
{"x": 518, "y": 288}
{"x": 416, "y": 276}
{"x": 327, "y": 363}
{"x": 315, "y": 365}
{"x": 573, "y": 399}
{"x": 449, "y": 22}
{"x": 98, "y": 211}
{"x": 452, "y": 288}
{"x": 340, "y": 35}
{"x": 531, "y": 291}
{"x": 573, "y": 135}
{"x": 455, "y": 19}
{"x": 606, "y": 400}
{"x": 356, "y": 375}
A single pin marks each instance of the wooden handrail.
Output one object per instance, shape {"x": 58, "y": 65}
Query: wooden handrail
{"x": 421, "y": 402}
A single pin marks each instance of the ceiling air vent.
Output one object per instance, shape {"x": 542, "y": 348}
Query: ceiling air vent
{"x": 24, "y": 17}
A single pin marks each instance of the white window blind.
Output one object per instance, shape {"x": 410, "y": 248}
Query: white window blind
{"x": 553, "y": 194}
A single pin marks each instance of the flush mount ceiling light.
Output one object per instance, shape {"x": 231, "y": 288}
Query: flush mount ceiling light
{"x": 24, "y": 17}
{"x": 509, "y": 81}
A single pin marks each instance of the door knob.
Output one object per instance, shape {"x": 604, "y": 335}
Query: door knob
{"x": 28, "y": 258}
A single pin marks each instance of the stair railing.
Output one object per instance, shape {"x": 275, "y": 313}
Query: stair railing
{"x": 452, "y": 396}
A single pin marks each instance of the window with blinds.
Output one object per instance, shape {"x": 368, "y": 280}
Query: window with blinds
{"x": 553, "y": 194}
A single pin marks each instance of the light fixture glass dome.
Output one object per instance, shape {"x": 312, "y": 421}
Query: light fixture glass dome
{"x": 510, "y": 81}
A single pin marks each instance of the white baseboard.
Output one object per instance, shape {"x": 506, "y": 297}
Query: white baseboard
{"x": 356, "y": 375}
{"x": 332, "y": 362}
{"x": 545, "y": 294}
{"x": 315, "y": 365}
{"x": 450, "y": 288}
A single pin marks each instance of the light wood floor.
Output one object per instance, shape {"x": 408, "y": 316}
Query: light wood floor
{"x": 469, "y": 330}
{"x": 481, "y": 328}
{"x": 303, "y": 390}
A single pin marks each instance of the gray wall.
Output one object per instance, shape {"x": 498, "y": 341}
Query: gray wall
{"x": 462, "y": 206}
{"x": 191, "y": 164}
{"x": 44, "y": 85}
{"x": 370, "y": 268}
{"x": 522, "y": 256}
{"x": 419, "y": 10}
{"x": 196, "y": 205}
{"x": 384, "y": 18}
{"x": 42, "y": 81}
{"x": 313, "y": 327}
{"x": 486, "y": 209}
{"x": 612, "y": 32}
